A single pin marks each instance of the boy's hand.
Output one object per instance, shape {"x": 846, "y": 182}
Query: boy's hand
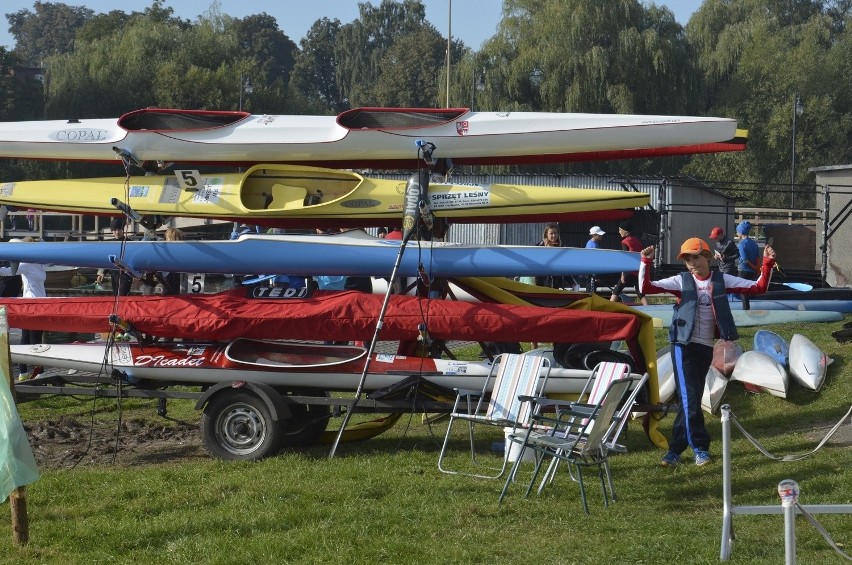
{"x": 648, "y": 252}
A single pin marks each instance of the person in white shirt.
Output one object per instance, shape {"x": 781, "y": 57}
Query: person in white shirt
{"x": 701, "y": 315}
{"x": 33, "y": 276}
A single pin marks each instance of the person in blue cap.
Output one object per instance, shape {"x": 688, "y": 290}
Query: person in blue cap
{"x": 748, "y": 265}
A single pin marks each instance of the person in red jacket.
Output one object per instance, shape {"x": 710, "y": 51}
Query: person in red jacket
{"x": 629, "y": 242}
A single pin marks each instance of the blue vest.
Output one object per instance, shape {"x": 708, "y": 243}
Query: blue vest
{"x": 683, "y": 319}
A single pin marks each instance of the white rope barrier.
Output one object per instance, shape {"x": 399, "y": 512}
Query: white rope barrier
{"x": 787, "y": 489}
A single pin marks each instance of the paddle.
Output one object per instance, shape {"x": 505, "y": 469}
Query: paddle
{"x": 801, "y": 287}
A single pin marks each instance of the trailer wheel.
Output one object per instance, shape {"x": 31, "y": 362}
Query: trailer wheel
{"x": 239, "y": 426}
{"x": 307, "y": 422}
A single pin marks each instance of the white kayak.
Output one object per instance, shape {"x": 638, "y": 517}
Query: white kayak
{"x": 808, "y": 363}
{"x": 714, "y": 388}
{"x": 368, "y": 137}
{"x": 276, "y": 363}
{"x": 762, "y": 371}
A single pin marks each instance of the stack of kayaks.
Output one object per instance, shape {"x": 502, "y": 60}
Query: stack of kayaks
{"x": 773, "y": 361}
{"x": 766, "y": 368}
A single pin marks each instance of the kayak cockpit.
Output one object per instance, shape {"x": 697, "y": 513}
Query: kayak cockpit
{"x": 398, "y": 118}
{"x": 158, "y": 119}
{"x": 289, "y": 354}
{"x": 269, "y": 188}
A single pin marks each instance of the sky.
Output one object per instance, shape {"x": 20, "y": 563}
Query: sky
{"x": 473, "y": 21}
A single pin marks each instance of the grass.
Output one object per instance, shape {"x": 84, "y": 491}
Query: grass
{"x": 384, "y": 500}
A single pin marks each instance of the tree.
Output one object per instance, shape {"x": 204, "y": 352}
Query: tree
{"x": 409, "y": 71}
{"x": 362, "y": 44}
{"x": 50, "y": 30}
{"x": 314, "y": 71}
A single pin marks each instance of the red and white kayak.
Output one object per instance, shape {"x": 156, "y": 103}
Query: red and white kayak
{"x": 369, "y": 137}
{"x": 276, "y": 363}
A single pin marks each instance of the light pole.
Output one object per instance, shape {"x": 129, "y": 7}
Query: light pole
{"x": 245, "y": 86}
{"x": 476, "y": 85}
{"x": 798, "y": 110}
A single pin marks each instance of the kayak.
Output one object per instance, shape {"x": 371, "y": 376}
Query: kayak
{"x": 348, "y": 254}
{"x": 748, "y": 318}
{"x": 762, "y": 371}
{"x": 773, "y": 345}
{"x": 369, "y": 137}
{"x": 309, "y": 197}
{"x": 765, "y": 303}
{"x": 808, "y": 363}
{"x": 275, "y": 363}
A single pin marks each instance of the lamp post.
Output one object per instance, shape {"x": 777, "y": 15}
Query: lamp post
{"x": 245, "y": 86}
{"x": 478, "y": 85}
{"x": 798, "y": 110}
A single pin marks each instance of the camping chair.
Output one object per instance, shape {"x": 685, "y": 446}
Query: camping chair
{"x": 577, "y": 434}
{"x": 513, "y": 375}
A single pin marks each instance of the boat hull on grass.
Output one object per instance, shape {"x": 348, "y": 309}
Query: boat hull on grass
{"x": 369, "y": 137}
{"x": 762, "y": 371}
{"x": 275, "y": 363}
{"x": 309, "y": 197}
{"x": 808, "y": 363}
{"x": 339, "y": 254}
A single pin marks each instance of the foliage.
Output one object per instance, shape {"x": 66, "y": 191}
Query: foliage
{"x": 48, "y": 31}
{"x": 744, "y": 59}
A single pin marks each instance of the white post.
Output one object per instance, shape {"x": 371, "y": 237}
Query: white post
{"x": 727, "y": 524}
{"x": 788, "y": 490}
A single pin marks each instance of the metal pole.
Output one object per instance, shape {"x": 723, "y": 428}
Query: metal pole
{"x": 788, "y": 490}
{"x": 449, "y": 40}
{"x": 240, "y": 108}
{"x": 826, "y": 210}
{"x": 727, "y": 511}
{"x": 793, "y": 154}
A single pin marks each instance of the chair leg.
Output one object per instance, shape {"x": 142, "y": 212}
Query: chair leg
{"x": 511, "y": 477}
{"x": 582, "y": 488}
{"x": 609, "y": 480}
{"x": 601, "y": 474}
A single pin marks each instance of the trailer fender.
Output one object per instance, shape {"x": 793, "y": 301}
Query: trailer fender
{"x": 278, "y": 408}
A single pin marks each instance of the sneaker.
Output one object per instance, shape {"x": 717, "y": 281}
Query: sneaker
{"x": 24, "y": 377}
{"x": 702, "y": 457}
{"x": 36, "y": 372}
{"x": 670, "y": 459}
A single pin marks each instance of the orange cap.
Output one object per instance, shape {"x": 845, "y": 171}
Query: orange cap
{"x": 694, "y": 246}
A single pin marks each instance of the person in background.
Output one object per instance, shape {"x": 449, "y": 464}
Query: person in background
{"x": 701, "y": 314}
{"x": 120, "y": 281}
{"x": 32, "y": 276}
{"x": 595, "y": 236}
{"x": 629, "y": 242}
{"x": 382, "y": 233}
{"x": 550, "y": 238}
{"x": 747, "y": 267}
{"x": 171, "y": 281}
{"x": 394, "y": 233}
{"x": 726, "y": 252}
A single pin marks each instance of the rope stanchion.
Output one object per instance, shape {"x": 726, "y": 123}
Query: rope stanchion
{"x": 787, "y": 489}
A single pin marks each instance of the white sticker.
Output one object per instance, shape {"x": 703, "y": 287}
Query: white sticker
{"x": 461, "y": 197}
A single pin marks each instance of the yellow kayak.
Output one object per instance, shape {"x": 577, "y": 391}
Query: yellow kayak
{"x": 301, "y": 196}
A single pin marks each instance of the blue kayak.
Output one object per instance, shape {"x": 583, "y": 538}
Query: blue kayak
{"x": 340, "y": 254}
{"x": 751, "y": 318}
{"x": 773, "y": 345}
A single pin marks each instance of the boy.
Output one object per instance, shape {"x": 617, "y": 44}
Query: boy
{"x": 701, "y": 314}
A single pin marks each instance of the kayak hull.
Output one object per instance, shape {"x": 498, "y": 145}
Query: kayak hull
{"x": 374, "y": 137}
{"x": 310, "y": 197}
{"x": 275, "y": 363}
{"x": 762, "y": 371}
{"x": 338, "y": 254}
{"x": 750, "y": 318}
{"x": 808, "y": 363}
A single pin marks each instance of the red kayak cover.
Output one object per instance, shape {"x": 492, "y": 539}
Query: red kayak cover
{"x": 323, "y": 315}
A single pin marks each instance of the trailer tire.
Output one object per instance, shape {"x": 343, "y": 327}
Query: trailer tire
{"x": 238, "y": 426}
{"x": 307, "y": 422}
